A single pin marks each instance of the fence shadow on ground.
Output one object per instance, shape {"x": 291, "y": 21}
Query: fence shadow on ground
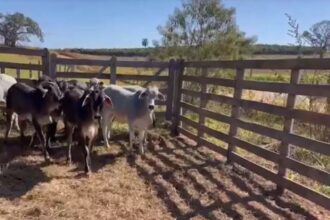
{"x": 192, "y": 184}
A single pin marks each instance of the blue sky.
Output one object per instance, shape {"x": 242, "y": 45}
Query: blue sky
{"x": 123, "y": 23}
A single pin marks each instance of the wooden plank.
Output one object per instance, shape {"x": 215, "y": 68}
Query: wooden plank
{"x": 307, "y": 193}
{"x": 89, "y": 62}
{"x": 217, "y": 116}
{"x": 170, "y": 90}
{"x": 308, "y": 171}
{"x": 82, "y": 75}
{"x": 311, "y": 63}
{"x": 257, "y": 150}
{"x": 20, "y": 66}
{"x": 140, "y": 77}
{"x": 307, "y": 90}
{"x": 312, "y": 117}
{"x": 113, "y": 70}
{"x": 45, "y": 62}
{"x": 177, "y": 92}
{"x": 22, "y": 51}
{"x": 256, "y": 128}
{"x": 220, "y": 98}
{"x": 187, "y": 134}
{"x": 217, "y": 134}
{"x": 267, "y": 174}
{"x": 202, "y": 105}
{"x": 207, "y": 80}
{"x": 145, "y": 64}
{"x": 188, "y": 122}
{"x": 189, "y": 107}
{"x": 213, "y": 147}
{"x": 309, "y": 144}
{"x": 272, "y": 109}
{"x": 190, "y": 93}
{"x": 52, "y": 66}
{"x": 288, "y": 128}
{"x": 235, "y": 111}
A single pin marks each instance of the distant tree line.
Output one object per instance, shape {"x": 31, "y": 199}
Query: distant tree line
{"x": 255, "y": 49}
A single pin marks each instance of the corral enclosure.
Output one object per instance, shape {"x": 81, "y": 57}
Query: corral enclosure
{"x": 223, "y": 112}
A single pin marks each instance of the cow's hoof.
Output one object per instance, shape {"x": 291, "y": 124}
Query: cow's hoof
{"x": 107, "y": 146}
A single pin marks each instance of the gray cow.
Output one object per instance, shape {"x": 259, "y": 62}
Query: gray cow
{"x": 135, "y": 107}
{"x": 6, "y": 81}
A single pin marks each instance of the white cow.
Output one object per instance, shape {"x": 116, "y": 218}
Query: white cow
{"x": 133, "y": 106}
{"x": 6, "y": 81}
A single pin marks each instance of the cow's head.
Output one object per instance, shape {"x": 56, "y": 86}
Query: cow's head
{"x": 51, "y": 95}
{"x": 95, "y": 84}
{"x": 150, "y": 95}
{"x": 96, "y": 100}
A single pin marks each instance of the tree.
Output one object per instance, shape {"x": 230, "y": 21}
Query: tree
{"x": 18, "y": 28}
{"x": 294, "y": 32}
{"x": 145, "y": 42}
{"x": 203, "y": 29}
{"x": 319, "y": 36}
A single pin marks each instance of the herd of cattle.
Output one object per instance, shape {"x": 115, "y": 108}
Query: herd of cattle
{"x": 82, "y": 107}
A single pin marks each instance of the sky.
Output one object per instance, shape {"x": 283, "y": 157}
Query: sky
{"x": 123, "y": 23}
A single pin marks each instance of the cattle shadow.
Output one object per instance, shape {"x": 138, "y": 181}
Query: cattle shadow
{"x": 201, "y": 185}
{"x": 19, "y": 178}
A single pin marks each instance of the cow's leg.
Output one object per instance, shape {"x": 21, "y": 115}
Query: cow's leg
{"x": 106, "y": 126}
{"x": 87, "y": 144}
{"x": 33, "y": 138}
{"x": 141, "y": 137}
{"x": 22, "y": 125}
{"x": 131, "y": 136}
{"x": 69, "y": 132}
{"x": 50, "y": 134}
{"x": 9, "y": 124}
{"x": 15, "y": 119}
{"x": 41, "y": 136}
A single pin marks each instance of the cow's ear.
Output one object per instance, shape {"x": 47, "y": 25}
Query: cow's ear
{"x": 108, "y": 100}
{"x": 85, "y": 100}
{"x": 143, "y": 94}
{"x": 160, "y": 96}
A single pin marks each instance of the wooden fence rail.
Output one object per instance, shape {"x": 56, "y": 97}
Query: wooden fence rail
{"x": 51, "y": 65}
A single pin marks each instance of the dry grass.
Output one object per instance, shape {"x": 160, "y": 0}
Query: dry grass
{"x": 173, "y": 180}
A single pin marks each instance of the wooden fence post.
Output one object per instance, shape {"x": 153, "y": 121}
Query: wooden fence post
{"x": 179, "y": 70}
{"x": 18, "y": 73}
{"x": 170, "y": 90}
{"x": 287, "y": 129}
{"x": 202, "y": 105}
{"x": 113, "y": 70}
{"x": 30, "y": 73}
{"x": 235, "y": 111}
{"x": 52, "y": 68}
{"x": 45, "y": 62}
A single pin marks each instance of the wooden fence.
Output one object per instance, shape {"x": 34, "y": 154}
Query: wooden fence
{"x": 174, "y": 105}
{"x": 285, "y": 136}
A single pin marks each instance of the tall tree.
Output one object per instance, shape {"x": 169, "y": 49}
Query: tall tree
{"x": 18, "y": 28}
{"x": 295, "y": 33}
{"x": 145, "y": 42}
{"x": 203, "y": 29}
{"x": 319, "y": 36}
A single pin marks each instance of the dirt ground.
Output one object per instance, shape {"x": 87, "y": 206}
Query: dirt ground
{"x": 173, "y": 180}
